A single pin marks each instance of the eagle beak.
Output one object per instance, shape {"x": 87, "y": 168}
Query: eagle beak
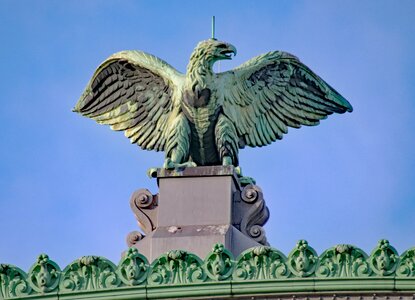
{"x": 232, "y": 49}
{"x": 228, "y": 51}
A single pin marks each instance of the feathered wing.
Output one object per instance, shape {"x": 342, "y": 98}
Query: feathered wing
{"x": 272, "y": 91}
{"x": 135, "y": 92}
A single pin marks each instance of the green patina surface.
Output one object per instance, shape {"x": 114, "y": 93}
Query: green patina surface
{"x": 179, "y": 274}
{"x": 203, "y": 118}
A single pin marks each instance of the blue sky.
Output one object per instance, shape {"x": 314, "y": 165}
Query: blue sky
{"x": 65, "y": 181}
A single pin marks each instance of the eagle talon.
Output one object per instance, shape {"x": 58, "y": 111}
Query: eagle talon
{"x": 152, "y": 172}
{"x": 226, "y": 161}
{"x": 168, "y": 164}
{"x": 244, "y": 180}
{"x": 189, "y": 164}
{"x": 171, "y": 165}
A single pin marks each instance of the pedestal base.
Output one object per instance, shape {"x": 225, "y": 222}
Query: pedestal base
{"x": 196, "y": 208}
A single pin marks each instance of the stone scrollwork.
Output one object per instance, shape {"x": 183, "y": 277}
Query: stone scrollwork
{"x": 406, "y": 266}
{"x": 44, "y": 274}
{"x": 13, "y": 282}
{"x": 343, "y": 261}
{"x": 251, "y": 213}
{"x": 176, "y": 267}
{"x": 89, "y": 273}
{"x": 133, "y": 268}
{"x": 261, "y": 263}
{"x": 384, "y": 259}
{"x": 144, "y": 206}
{"x": 219, "y": 263}
{"x": 134, "y": 237}
{"x": 251, "y": 193}
{"x": 302, "y": 260}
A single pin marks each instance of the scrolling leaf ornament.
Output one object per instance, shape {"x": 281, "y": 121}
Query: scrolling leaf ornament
{"x": 133, "y": 268}
{"x": 176, "y": 267}
{"x": 406, "y": 266}
{"x": 302, "y": 260}
{"x": 13, "y": 282}
{"x": 343, "y": 261}
{"x": 44, "y": 275}
{"x": 89, "y": 273}
{"x": 219, "y": 263}
{"x": 261, "y": 263}
{"x": 384, "y": 259}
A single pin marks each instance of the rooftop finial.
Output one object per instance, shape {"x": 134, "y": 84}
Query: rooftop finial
{"x": 213, "y": 27}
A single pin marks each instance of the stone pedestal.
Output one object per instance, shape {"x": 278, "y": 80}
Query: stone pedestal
{"x": 196, "y": 208}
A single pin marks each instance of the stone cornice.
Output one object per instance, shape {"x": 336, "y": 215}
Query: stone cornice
{"x": 180, "y": 274}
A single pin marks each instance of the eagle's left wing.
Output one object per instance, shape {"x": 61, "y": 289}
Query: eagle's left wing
{"x": 272, "y": 91}
{"x": 134, "y": 92}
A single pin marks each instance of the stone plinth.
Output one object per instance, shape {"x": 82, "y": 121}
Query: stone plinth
{"x": 196, "y": 208}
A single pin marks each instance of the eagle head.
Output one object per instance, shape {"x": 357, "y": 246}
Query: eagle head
{"x": 212, "y": 50}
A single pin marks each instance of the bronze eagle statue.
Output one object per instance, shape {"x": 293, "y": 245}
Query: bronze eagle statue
{"x": 203, "y": 118}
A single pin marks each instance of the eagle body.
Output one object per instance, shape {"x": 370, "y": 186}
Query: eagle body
{"x": 202, "y": 123}
{"x": 202, "y": 117}
{"x": 201, "y": 108}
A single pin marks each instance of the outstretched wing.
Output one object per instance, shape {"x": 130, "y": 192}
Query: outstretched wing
{"x": 133, "y": 91}
{"x": 272, "y": 91}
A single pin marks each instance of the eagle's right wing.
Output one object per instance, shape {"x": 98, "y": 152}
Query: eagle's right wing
{"x": 135, "y": 92}
{"x": 272, "y": 91}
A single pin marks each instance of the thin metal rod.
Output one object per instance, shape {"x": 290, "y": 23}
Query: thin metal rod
{"x": 213, "y": 27}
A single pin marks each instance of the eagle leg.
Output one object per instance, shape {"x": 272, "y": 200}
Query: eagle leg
{"x": 178, "y": 143}
{"x": 227, "y": 145}
{"x": 226, "y": 141}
